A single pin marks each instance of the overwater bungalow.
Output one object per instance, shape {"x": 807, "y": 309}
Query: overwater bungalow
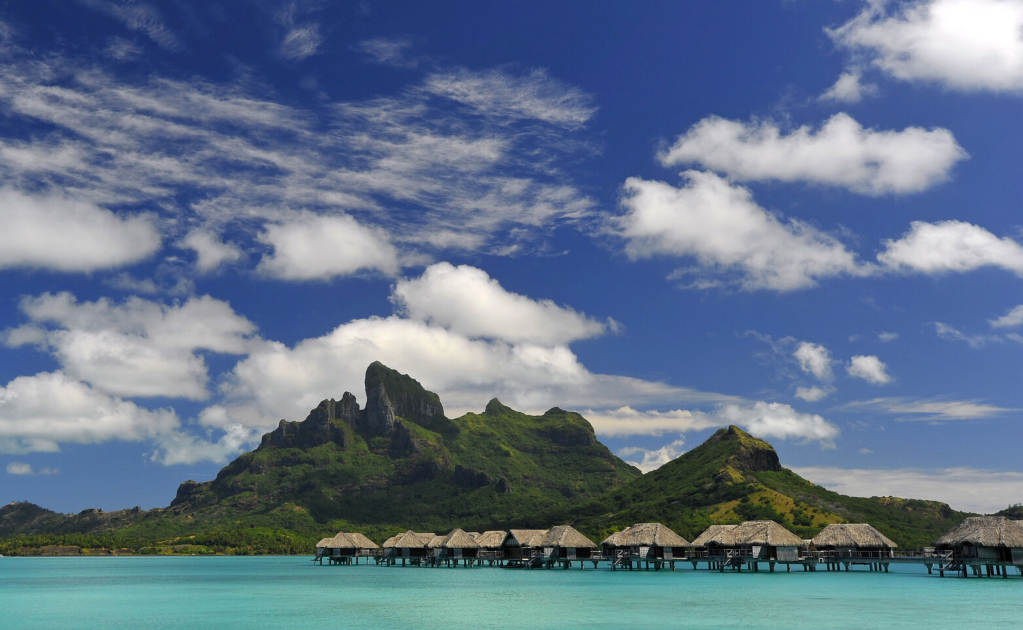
{"x": 345, "y": 548}
{"x": 456, "y": 546}
{"x": 983, "y": 543}
{"x": 491, "y": 545}
{"x": 408, "y": 547}
{"x": 563, "y": 544}
{"x": 521, "y": 543}
{"x": 748, "y": 543}
{"x": 853, "y": 543}
{"x": 644, "y": 542}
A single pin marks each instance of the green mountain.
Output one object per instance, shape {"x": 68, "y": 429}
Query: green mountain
{"x": 400, "y": 463}
{"x": 733, "y": 477}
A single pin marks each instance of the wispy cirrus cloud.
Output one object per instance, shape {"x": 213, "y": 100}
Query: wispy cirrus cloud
{"x": 437, "y": 166}
{"x": 139, "y": 16}
{"x": 927, "y": 410}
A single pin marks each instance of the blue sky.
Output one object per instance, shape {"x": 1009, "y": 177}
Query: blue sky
{"x": 798, "y": 217}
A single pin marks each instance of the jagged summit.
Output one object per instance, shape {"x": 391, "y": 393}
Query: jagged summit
{"x": 747, "y": 453}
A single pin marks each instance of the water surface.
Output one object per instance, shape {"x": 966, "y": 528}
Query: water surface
{"x": 286, "y": 593}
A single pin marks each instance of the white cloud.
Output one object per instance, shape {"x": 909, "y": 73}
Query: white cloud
{"x": 211, "y": 252}
{"x": 951, "y": 333}
{"x": 54, "y": 231}
{"x": 313, "y": 247}
{"x": 226, "y": 159}
{"x": 276, "y": 381}
{"x": 869, "y": 368}
{"x": 777, "y": 420}
{"x": 652, "y": 459}
{"x": 21, "y": 468}
{"x": 1013, "y": 318}
{"x": 139, "y": 17}
{"x": 849, "y": 88}
{"x": 301, "y": 42}
{"x": 928, "y": 410}
{"x": 122, "y": 49}
{"x": 720, "y": 225}
{"x": 885, "y": 337}
{"x": 175, "y": 448}
{"x": 814, "y": 359}
{"x": 628, "y": 421}
{"x": 947, "y": 246}
{"x": 138, "y": 348}
{"x": 388, "y": 51}
{"x": 466, "y": 300}
{"x": 840, "y": 153}
{"x": 955, "y": 486}
{"x": 812, "y": 394}
{"x": 38, "y": 413}
{"x": 967, "y": 45}
{"x": 496, "y": 93}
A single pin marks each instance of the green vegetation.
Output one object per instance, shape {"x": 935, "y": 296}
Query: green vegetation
{"x": 401, "y": 464}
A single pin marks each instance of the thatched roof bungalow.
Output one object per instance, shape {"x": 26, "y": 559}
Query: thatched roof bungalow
{"x": 564, "y": 541}
{"x": 519, "y": 542}
{"x": 719, "y": 535}
{"x": 646, "y": 540}
{"x": 853, "y": 540}
{"x": 491, "y": 540}
{"x": 986, "y": 537}
{"x": 457, "y": 544}
{"x": 761, "y": 540}
{"x": 408, "y": 545}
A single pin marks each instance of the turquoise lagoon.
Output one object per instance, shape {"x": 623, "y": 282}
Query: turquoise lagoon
{"x": 223, "y": 593}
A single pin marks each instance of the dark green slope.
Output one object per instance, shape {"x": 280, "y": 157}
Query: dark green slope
{"x": 733, "y": 477}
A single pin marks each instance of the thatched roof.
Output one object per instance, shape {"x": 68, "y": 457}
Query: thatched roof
{"x": 409, "y": 540}
{"x": 765, "y": 533}
{"x": 493, "y": 539}
{"x": 435, "y": 542}
{"x": 566, "y": 536}
{"x": 362, "y": 541}
{"x": 389, "y": 542}
{"x": 323, "y": 543}
{"x": 458, "y": 539}
{"x": 341, "y": 541}
{"x": 718, "y": 534}
{"x": 646, "y": 534}
{"x": 852, "y": 535}
{"x": 527, "y": 537}
{"x": 984, "y": 531}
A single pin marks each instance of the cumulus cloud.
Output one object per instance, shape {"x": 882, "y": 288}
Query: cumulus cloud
{"x": 211, "y": 252}
{"x": 885, "y": 337}
{"x": 813, "y": 394}
{"x": 533, "y": 96}
{"x": 38, "y": 413}
{"x": 814, "y": 359}
{"x": 928, "y": 410}
{"x": 137, "y": 348}
{"x": 21, "y": 468}
{"x": 466, "y": 300}
{"x": 955, "y": 486}
{"x": 778, "y": 420}
{"x": 840, "y": 153}
{"x": 720, "y": 226}
{"x": 177, "y": 447}
{"x": 869, "y": 368}
{"x": 54, "y": 231}
{"x": 1013, "y": 318}
{"x": 849, "y": 88}
{"x": 652, "y": 459}
{"x": 315, "y": 247}
{"x": 947, "y": 246}
{"x": 966, "y": 45}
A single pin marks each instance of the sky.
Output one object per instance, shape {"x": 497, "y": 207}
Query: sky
{"x": 800, "y": 217}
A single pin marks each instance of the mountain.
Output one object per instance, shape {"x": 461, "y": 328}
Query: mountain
{"x": 401, "y": 463}
{"x": 398, "y": 463}
{"x": 733, "y": 477}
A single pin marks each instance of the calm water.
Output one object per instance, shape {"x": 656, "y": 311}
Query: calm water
{"x": 289, "y": 593}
